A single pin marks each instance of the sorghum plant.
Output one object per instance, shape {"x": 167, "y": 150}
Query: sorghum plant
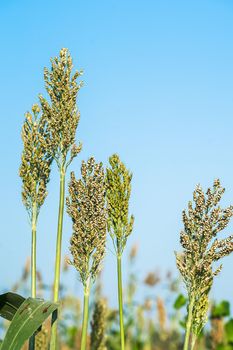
{"x": 118, "y": 189}
{"x": 34, "y": 171}
{"x": 203, "y": 220}
{"x": 86, "y": 207}
{"x": 62, "y": 118}
{"x": 98, "y": 325}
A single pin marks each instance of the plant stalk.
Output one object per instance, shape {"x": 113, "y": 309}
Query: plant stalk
{"x": 56, "y": 285}
{"x": 32, "y": 342}
{"x": 120, "y": 301}
{"x": 33, "y": 265}
{"x": 85, "y": 317}
{"x": 193, "y": 342}
{"x": 33, "y": 251}
{"x": 188, "y": 325}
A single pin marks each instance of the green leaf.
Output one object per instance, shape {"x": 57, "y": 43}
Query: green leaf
{"x": 221, "y": 310}
{"x": 9, "y": 304}
{"x": 229, "y": 330}
{"x": 182, "y": 324}
{"x": 28, "y": 318}
{"x": 180, "y": 302}
{"x": 224, "y": 347}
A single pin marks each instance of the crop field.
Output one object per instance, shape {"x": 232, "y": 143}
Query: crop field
{"x": 98, "y": 204}
{"x": 116, "y": 175}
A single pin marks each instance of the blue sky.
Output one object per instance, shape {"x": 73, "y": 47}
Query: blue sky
{"x": 158, "y": 90}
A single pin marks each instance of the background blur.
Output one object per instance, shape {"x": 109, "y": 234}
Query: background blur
{"x": 158, "y": 90}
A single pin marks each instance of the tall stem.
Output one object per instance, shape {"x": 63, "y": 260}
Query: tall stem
{"x": 193, "y": 342}
{"x": 120, "y": 301}
{"x": 33, "y": 251}
{"x": 33, "y": 264}
{"x": 85, "y": 317}
{"x": 189, "y": 324}
{"x": 56, "y": 285}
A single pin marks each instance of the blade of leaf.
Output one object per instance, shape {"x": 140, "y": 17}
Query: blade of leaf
{"x": 9, "y": 304}
{"x": 180, "y": 302}
{"x": 221, "y": 310}
{"x": 229, "y": 331}
{"x": 28, "y": 318}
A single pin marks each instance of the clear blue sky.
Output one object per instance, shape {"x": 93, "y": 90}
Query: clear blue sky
{"x": 158, "y": 90}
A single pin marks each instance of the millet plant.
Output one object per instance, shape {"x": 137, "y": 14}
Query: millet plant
{"x": 34, "y": 171}
{"x": 87, "y": 208}
{"x": 97, "y": 203}
{"x": 62, "y": 118}
{"x": 98, "y": 326}
{"x": 118, "y": 189}
{"x": 203, "y": 220}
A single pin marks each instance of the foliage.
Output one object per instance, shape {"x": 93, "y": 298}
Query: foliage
{"x": 9, "y": 304}
{"x": 143, "y": 327}
{"x": 28, "y": 318}
{"x": 97, "y": 202}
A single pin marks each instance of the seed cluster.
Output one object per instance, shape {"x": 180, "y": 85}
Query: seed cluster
{"x": 118, "y": 190}
{"x": 203, "y": 220}
{"x": 162, "y": 316}
{"x": 61, "y": 114}
{"x": 86, "y": 207}
{"x": 42, "y": 339}
{"x": 217, "y": 332}
{"x": 35, "y": 161}
{"x": 152, "y": 279}
{"x": 98, "y": 326}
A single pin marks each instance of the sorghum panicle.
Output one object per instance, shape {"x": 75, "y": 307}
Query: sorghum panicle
{"x": 203, "y": 220}
{"x": 61, "y": 114}
{"x": 98, "y": 325}
{"x": 162, "y": 314}
{"x": 118, "y": 185}
{"x": 36, "y": 162}
{"x": 86, "y": 207}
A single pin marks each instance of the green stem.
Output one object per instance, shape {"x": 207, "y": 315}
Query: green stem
{"x": 33, "y": 251}
{"x": 85, "y": 317}
{"x": 120, "y": 301}
{"x": 56, "y": 285}
{"x": 32, "y": 342}
{"x": 33, "y": 265}
{"x": 193, "y": 342}
{"x": 189, "y": 324}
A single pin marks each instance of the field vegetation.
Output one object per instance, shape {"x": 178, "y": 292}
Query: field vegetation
{"x": 97, "y": 201}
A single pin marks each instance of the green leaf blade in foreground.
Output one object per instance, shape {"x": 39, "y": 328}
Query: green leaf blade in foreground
{"x": 9, "y": 304}
{"x": 28, "y": 318}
